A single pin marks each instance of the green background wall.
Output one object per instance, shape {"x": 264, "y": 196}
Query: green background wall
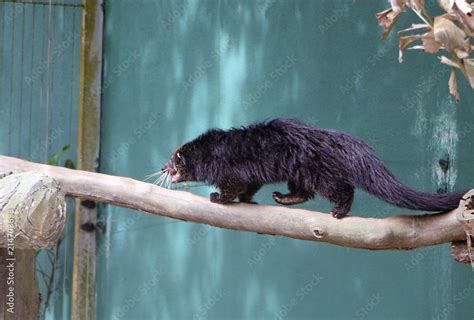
{"x": 176, "y": 68}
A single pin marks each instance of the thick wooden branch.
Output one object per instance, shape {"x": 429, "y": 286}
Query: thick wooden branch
{"x": 397, "y": 232}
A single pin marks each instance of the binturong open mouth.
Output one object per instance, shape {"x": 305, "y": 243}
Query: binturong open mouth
{"x": 166, "y": 176}
{"x": 171, "y": 170}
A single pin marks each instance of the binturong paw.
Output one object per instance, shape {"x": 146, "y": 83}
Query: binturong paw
{"x": 278, "y": 197}
{"x": 215, "y": 197}
{"x": 338, "y": 213}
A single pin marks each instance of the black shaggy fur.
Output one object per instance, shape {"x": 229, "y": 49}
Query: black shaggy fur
{"x": 311, "y": 160}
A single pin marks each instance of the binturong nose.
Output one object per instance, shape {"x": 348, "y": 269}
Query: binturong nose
{"x": 168, "y": 167}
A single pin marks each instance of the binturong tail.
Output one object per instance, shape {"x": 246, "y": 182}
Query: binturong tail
{"x": 379, "y": 181}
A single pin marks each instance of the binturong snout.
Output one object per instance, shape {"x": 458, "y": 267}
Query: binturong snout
{"x": 166, "y": 166}
{"x": 170, "y": 168}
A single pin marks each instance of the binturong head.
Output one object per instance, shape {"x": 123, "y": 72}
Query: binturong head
{"x": 179, "y": 166}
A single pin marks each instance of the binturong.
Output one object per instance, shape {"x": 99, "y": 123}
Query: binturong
{"x": 311, "y": 160}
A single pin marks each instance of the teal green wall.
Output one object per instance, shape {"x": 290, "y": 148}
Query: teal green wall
{"x": 38, "y": 111}
{"x": 176, "y": 68}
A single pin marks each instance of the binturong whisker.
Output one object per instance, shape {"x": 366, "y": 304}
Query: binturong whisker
{"x": 161, "y": 178}
{"x": 157, "y": 181}
{"x": 150, "y": 176}
{"x": 165, "y": 180}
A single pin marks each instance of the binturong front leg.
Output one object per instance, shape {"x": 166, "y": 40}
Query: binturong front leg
{"x": 247, "y": 196}
{"x": 229, "y": 191}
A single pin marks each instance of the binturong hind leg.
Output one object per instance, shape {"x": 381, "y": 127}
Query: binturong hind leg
{"x": 343, "y": 202}
{"x": 295, "y": 196}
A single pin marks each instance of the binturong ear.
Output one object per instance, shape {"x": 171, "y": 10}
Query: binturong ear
{"x": 181, "y": 157}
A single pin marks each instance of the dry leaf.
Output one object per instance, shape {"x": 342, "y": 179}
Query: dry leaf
{"x": 467, "y": 45}
{"x": 463, "y": 5}
{"x": 387, "y": 20}
{"x": 466, "y": 20}
{"x": 469, "y": 68}
{"x": 418, "y": 47}
{"x": 430, "y": 44}
{"x": 461, "y": 54}
{"x": 447, "y": 5}
{"x": 404, "y": 42}
{"x": 398, "y": 5}
{"x": 414, "y": 26}
{"x": 449, "y": 62}
{"x": 462, "y": 11}
{"x": 417, "y": 5}
{"x": 453, "y": 86}
{"x": 446, "y": 32}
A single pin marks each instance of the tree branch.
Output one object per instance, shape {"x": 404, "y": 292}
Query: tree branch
{"x": 396, "y": 232}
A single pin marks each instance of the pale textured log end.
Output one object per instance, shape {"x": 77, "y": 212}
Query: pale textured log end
{"x": 32, "y": 211}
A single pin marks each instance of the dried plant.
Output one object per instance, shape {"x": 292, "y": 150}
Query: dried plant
{"x": 450, "y": 32}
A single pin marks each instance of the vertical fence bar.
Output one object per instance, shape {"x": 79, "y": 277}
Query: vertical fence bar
{"x": 83, "y": 286}
{"x": 26, "y": 299}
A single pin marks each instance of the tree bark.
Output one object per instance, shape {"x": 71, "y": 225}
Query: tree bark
{"x": 396, "y": 232}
